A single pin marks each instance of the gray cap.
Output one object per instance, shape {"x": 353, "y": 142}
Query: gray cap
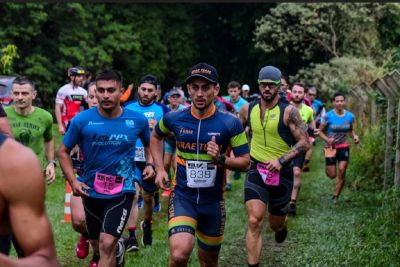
{"x": 174, "y": 92}
{"x": 269, "y": 74}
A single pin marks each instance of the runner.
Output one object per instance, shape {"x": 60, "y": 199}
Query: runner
{"x": 234, "y": 96}
{"x": 107, "y": 136}
{"x": 203, "y": 134}
{"x": 32, "y": 126}
{"x": 153, "y": 111}
{"x": 306, "y": 114}
{"x": 319, "y": 112}
{"x": 334, "y": 128}
{"x": 22, "y": 209}
{"x": 77, "y": 211}
{"x": 278, "y": 137}
{"x": 70, "y": 98}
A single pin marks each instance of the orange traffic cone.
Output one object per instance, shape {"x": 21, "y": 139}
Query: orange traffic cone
{"x": 67, "y": 203}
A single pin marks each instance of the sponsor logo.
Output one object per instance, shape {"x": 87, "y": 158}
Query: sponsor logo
{"x": 93, "y": 123}
{"x": 183, "y": 131}
{"x": 272, "y": 116}
{"x": 122, "y": 221}
{"x": 130, "y": 123}
{"x": 214, "y": 134}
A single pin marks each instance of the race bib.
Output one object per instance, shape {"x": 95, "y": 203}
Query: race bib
{"x": 108, "y": 184}
{"x": 200, "y": 174}
{"x": 330, "y": 152}
{"x": 269, "y": 178}
{"x": 139, "y": 154}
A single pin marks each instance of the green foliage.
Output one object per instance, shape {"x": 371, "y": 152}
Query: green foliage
{"x": 394, "y": 61}
{"x": 361, "y": 173}
{"x": 8, "y": 55}
{"x": 336, "y": 28}
{"x": 339, "y": 74}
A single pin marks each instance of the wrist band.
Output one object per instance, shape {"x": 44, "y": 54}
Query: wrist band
{"x": 52, "y": 161}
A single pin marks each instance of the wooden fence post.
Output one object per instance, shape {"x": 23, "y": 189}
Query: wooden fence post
{"x": 380, "y": 84}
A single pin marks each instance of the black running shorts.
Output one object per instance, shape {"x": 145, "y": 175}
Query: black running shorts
{"x": 275, "y": 197}
{"x": 107, "y": 215}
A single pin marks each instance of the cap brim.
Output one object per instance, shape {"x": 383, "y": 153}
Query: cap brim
{"x": 266, "y": 81}
{"x": 199, "y": 76}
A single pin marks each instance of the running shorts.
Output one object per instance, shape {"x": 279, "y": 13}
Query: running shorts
{"x": 205, "y": 221}
{"x": 275, "y": 197}
{"x": 342, "y": 154}
{"x": 107, "y": 215}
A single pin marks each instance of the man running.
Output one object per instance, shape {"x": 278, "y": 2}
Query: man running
{"x": 334, "y": 128}
{"x": 234, "y": 96}
{"x": 203, "y": 134}
{"x": 153, "y": 111}
{"x": 306, "y": 114}
{"x": 319, "y": 112}
{"x": 70, "y": 98}
{"x": 22, "y": 209}
{"x": 278, "y": 137}
{"x": 107, "y": 136}
{"x": 77, "y": 211}
{"x": 32, "y": 126}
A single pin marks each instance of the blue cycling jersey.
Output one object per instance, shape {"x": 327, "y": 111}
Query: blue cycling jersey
{"x": 153, "y": 112}
{"x": 198, "y": 178}
{"x": 108, "y": 145}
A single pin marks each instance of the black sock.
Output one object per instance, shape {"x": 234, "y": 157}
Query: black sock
{"x": 253, "y": 265}
{"x": 85, "y": 235}
{"x": 306, "y": 161}
{"x": 156, "y": 198}
{"x": 132, "y": 231}
{"x": 96, "y": 257}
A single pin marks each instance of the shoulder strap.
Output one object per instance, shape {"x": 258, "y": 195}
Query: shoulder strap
{"x": 252, "y": 104}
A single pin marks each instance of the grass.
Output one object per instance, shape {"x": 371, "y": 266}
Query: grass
{"x": 363, "y": 229}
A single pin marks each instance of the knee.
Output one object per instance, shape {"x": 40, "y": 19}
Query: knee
{"x": 107, "y": 245}
{"x": 255, "y": 223}
{"x": 179, "y": 256}
{"x": 330, "y": 174}
{"x": 342, "y": 172}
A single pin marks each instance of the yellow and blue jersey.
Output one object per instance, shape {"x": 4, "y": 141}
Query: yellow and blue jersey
{"x": 192, "y": 135}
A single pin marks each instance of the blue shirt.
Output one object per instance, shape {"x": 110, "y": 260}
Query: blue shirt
{"x": 153, "y": 112}
{"x": 108, "y": 145}
{"x": 192, "y": 135}
{"x": 317, "y": 106}
{"x": 338, "y": 126}
{"x": 239, "y": 104}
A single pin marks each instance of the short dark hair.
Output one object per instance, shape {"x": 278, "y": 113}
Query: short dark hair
{"x": 21, "y": 80}
{"x": 149, "y": 78}
{"x": 338, "y": 94}
{"x": 233, "y": 84}
{"x": 311, "y": 87}
{"x": 109, "y": 75}
{"x": 298, "y": 84}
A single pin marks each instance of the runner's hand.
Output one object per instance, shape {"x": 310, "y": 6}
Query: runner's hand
{"x": 316, "y": 131}
{"x": 213, "y": 149}
{"x": 80, "y": 188}
{"x": 162, "y": 180}
{"x": 273, "y": 165}
{"x": 356, "y": 139}
{"x": 50, "y": 173}
{"x": 148, "y": 173}
{"x": 61, "y": 129}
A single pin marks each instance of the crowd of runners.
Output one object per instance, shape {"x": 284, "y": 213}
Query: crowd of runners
{"x": 124, "y": 148}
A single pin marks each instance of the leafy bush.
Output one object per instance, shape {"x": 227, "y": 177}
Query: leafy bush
{"x": 367, "y": 160}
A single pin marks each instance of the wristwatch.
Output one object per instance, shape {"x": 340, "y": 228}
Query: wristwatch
{"x": 222, "y": 159}
{"x": 152, "y": 165}
{"x": 52, "y": 161}
{"x": 282, "y": 161}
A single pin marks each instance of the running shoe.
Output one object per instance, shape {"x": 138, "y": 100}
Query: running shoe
{"x": 281, "y": 235}
{"x": 157, "y": 207}
{"x": 292, "y": 208}
{"x": 166, "y": 193}
{"x": 140, "y": 202}
{"x": 82, "y": 247}
{"x": 306, "y": 168}
{"x": 228, "y": 186}
{"x": 93, "y": 264}
{"x": 147, "y": 238}
{"x": 120, "y": 259}
{"x": 335, "y": 199}
{"x": 131, "y": 244}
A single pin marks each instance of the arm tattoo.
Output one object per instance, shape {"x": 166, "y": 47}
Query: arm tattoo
{"x": 298, "y": 129}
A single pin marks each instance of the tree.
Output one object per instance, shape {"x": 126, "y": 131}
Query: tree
{"x": 8, "y": 55}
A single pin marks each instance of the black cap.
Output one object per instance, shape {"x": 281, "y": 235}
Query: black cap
{"x": 148, "y": 78}
{"x": 205, "y": 71}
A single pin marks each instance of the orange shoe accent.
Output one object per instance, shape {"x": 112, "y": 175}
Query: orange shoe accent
{"x": 67, "y": 204}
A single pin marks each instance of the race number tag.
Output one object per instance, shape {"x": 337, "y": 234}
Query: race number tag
{"x": 330, "y": 152}
{"x": 108, "y": 184}
{"x": 139, "y": 154}
{"x": 200, "y": 174}
{"x": 269, "y": 178}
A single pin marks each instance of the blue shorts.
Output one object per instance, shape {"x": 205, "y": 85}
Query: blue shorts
{"x": 148, "y": 186}
{"x": 205, "y": 221}
{"x": 168, "y": 148}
